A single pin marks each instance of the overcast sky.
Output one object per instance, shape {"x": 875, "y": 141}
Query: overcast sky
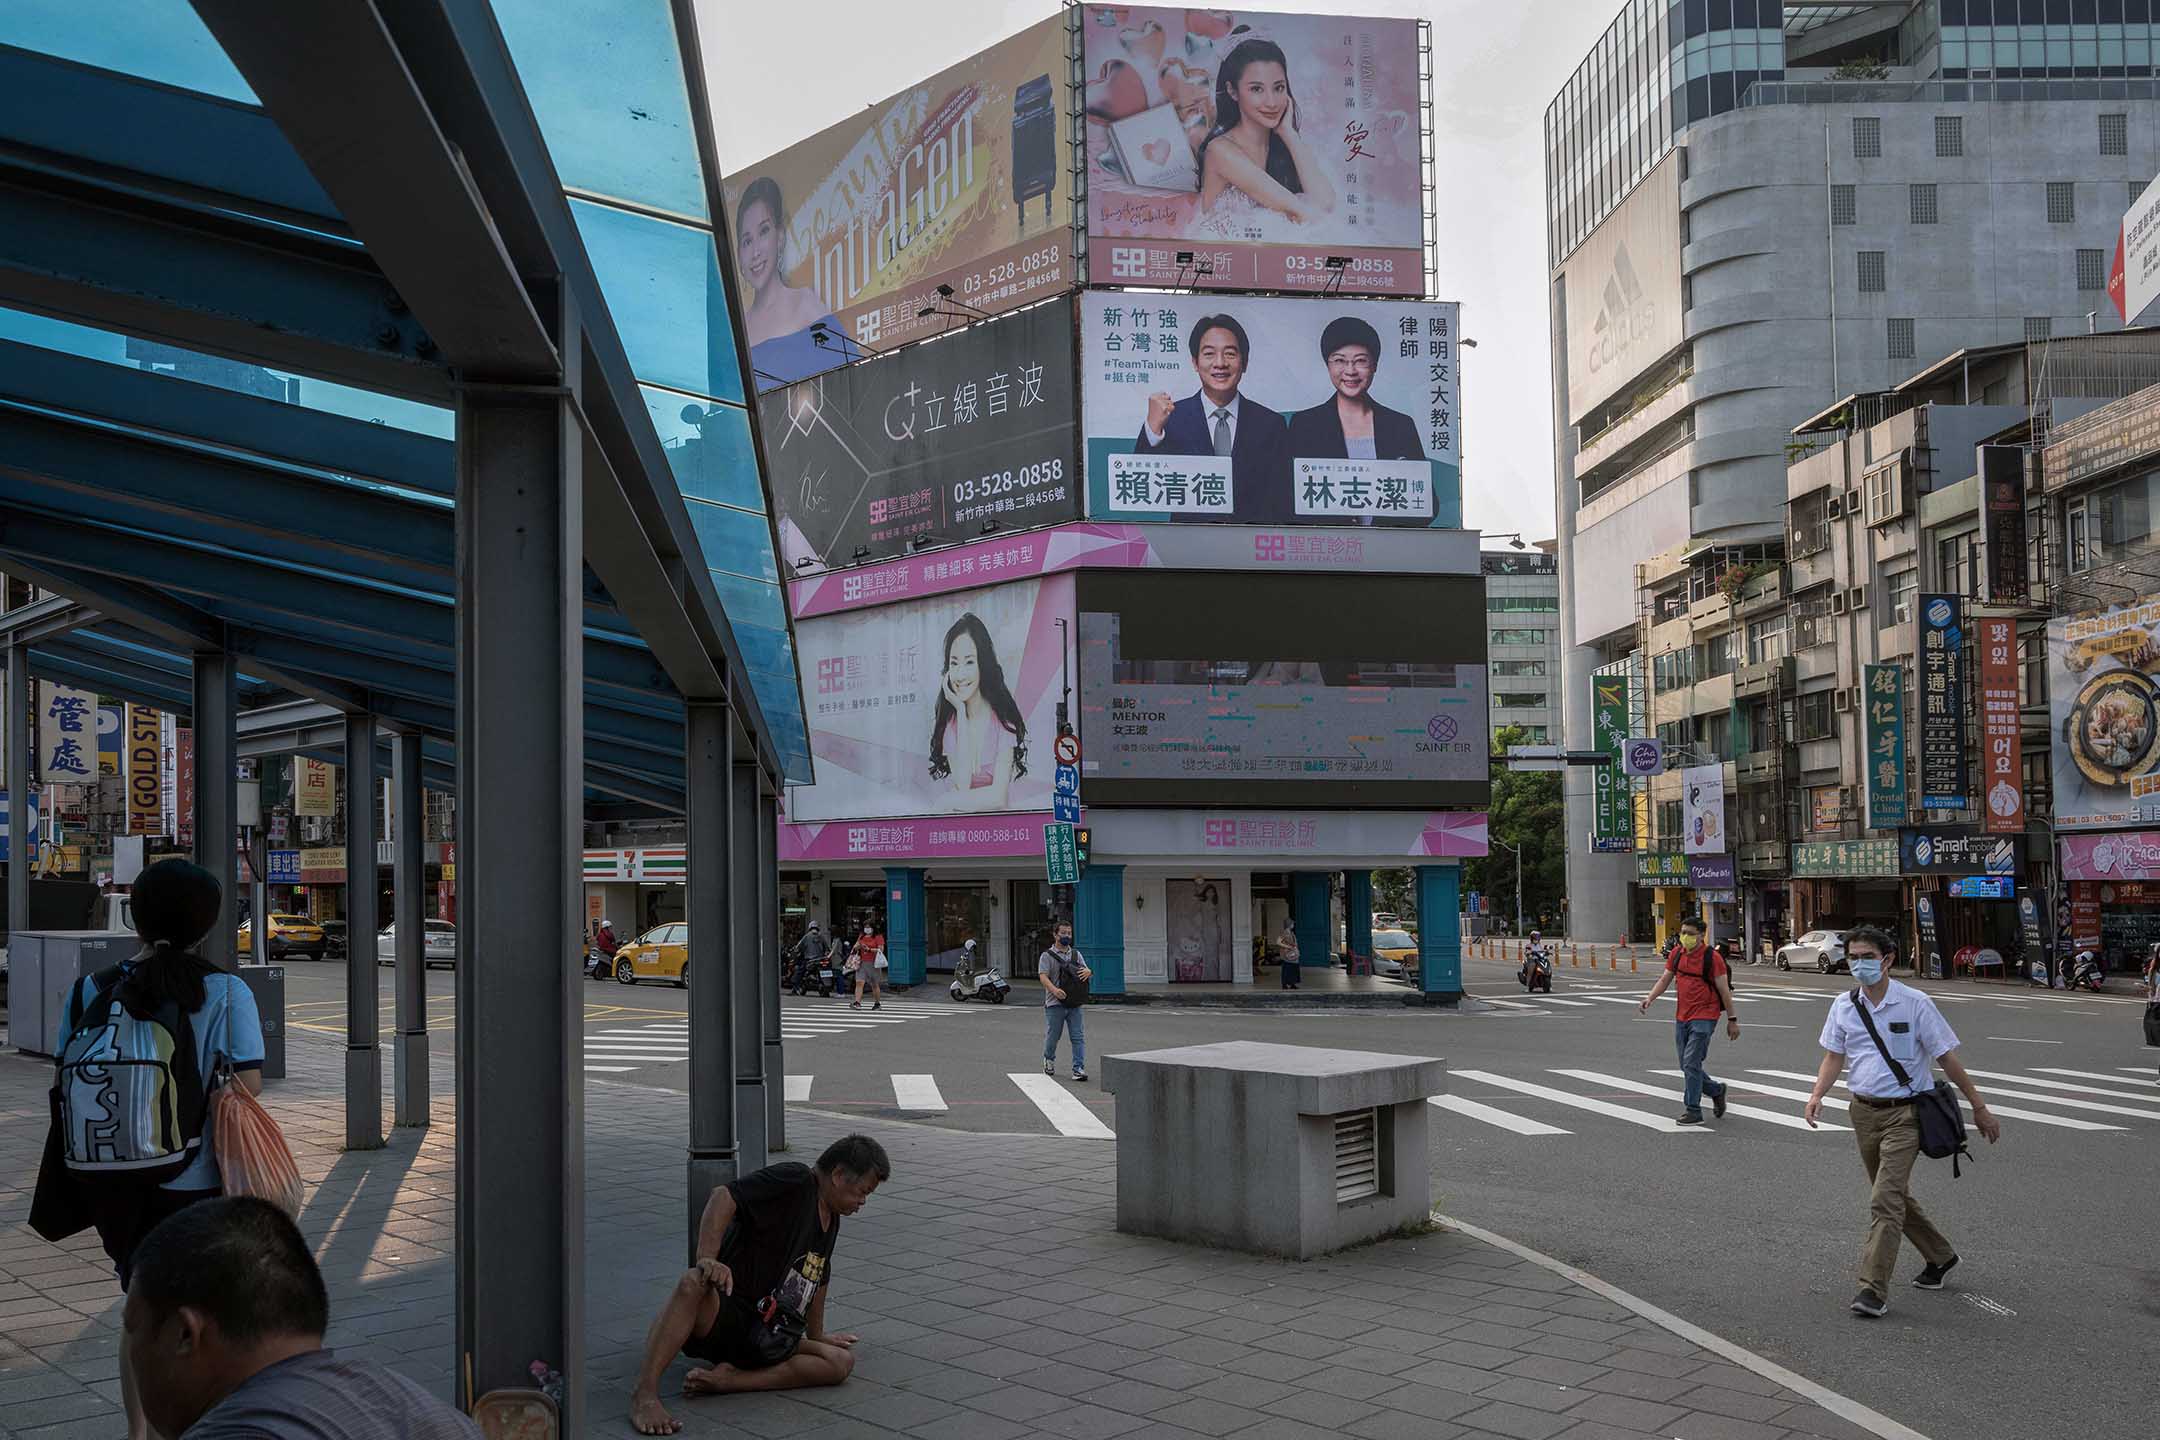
{"x": 781, "y": 71}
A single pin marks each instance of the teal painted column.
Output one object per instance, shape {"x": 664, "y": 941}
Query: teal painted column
{"x": 906, "y": 927}
{"x": 1309, "y": 892}
{"x": 1099, "y": 927}
{"x": 1357, "y": 911}
{"x": 1439, "y": 908}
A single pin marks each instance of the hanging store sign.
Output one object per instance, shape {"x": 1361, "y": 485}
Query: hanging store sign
{"x": 2003, "y": 577}
{"x": 111, "y": 726}
{"x": 1943, "y": 781}
{"x": 1702, "y": 815}
{"x": 1661, "y": 867}
{"x": 67, "y": 734}
{"x": 144, "y": 752}
{"x": 323, "y": 866}
{"x": 2120, "y": 855}
{"x": 283, "y": 867}
{"x": 314, "y": 786}
{"x": 2002, "y": 763}
{"x": 1845, "y": 859}
{"x": 1613, "y": 807}
{"x": 1961, "y": 850}
{"x": 1710, "y": 872}
{"x": 1882, "y": 691}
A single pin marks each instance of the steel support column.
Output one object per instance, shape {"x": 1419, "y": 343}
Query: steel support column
{"x": 17, "y": 771}
{"x": 410, "y": 1062}
{"x": 775, "y": 1064}
{"x": 746, "y": 976}
{"x": 708, "y": 763}
{"x": 217, "y": 800}
{"x": 363, "y": 1024}
{"x": 520, "y": 1002}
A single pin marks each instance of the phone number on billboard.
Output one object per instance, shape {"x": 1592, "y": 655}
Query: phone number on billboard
{"x": 1047, "y": 258}
{"x": 1004, "y": 482}
{"x": 1360, "y": 265}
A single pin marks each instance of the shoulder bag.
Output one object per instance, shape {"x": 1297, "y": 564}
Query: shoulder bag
{"x": 1942, "y": 1123}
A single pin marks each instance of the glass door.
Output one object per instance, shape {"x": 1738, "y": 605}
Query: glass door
{"x": 957, "y": 914}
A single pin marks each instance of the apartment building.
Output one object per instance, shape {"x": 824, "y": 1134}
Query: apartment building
{"x": 1522, "y": 617}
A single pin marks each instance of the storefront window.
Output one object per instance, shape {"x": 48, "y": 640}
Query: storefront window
{"x": 1197, "y": 926}
{"x": 957, "y": 914}
{"x": 794, "y": 913}
{"x": 1034, "y": 922}
{"x": 854, "y": 904}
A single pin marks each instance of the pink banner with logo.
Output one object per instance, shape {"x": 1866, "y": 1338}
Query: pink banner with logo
{"x": 2120, "y": 855}
{"x": 964, "y": 567}
{"x": 988, "y": 837}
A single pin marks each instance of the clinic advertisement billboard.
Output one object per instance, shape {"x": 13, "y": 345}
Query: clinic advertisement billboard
{"x": 842, "y": 240}
{"x": 1943, "y": 778}
{"x": 1702, "y": 814}
{"x": 1882, "y": 693}
{"x": 931, "y": 445}
{"x": 1273, "y": 152}
{"x": 2103, "y": 711}
{"x": 2135, "y": 282}
{"x": 1622, "y": 287}
{"x": 941, "y": 706}
{"x": 1271, "y": 411}
{"x": 2002, "y": 757}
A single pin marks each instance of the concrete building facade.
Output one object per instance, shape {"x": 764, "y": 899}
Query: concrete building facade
{"x": 1522, "y": 636}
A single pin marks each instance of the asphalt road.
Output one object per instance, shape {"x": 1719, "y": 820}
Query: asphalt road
{"x": 1749, "y": 1227}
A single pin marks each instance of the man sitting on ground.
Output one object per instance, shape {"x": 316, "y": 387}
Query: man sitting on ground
{"x": 224, "y": 1329}
{"x": 753, "y": 1307}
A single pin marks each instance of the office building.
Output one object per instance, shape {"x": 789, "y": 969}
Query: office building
{"x": 1522, "y": 615}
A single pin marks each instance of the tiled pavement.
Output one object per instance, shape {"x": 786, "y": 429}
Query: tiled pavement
{"x": 992, "y": 1293}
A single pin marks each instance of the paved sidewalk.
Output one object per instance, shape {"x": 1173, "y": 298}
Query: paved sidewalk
{"x": 992, "y": 1293}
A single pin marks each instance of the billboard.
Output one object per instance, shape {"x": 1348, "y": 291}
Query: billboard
{"x": 937, "y": 443}
{"x": 1883, "y": 729}
{"x": 1272, "y": 152}
{"x": 67, "y": 734}
{"x": 1623, "y": 292}
{"x": 2002, "y": 758}
{"x": 1238, "y": 691}
{"x": 942, "y": 706}
{"x": 1613, "y": 817}
{"x": 1702, "y": 815}
{"x": 2102, "y": 711}
{"x": 145, "y": 757}
{"x": 1942, "y": 704}
{"x": 2135, "y": 282}
{"x": 314, "y": 786}
{"x": 2003, "y": 577}
{"x": 1262, "y": 411}
{"x": 842, "y": 240}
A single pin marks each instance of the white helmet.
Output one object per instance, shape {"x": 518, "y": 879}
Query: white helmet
{"x": 970, "y": 945}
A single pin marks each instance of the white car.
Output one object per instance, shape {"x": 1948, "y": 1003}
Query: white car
{"x": 1823, "y": 949}
{"x": 440, "y": 944}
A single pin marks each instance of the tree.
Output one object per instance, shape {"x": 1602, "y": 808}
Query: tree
{"x": 1395, "y": 892}
{"x": 1527, "y": 810}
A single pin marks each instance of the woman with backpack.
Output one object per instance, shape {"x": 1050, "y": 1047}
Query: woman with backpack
{"x": 134, "y": 1136}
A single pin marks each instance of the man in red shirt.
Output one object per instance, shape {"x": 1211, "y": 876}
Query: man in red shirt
{"x": 1705, "y": 993}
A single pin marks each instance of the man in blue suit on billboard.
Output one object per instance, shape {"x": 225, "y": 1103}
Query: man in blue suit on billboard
{"x": 1220, "y": 421}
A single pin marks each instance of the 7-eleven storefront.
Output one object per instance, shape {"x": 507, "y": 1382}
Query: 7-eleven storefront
{"x": 635, "y": 888}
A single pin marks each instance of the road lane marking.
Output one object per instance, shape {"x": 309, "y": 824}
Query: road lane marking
{"x": 918, "y": 1092}
{"x": 2089, "y": 1074}
{"x": 2039, "y": 1084}
{"x": 1777, "y": 1092}
{"x": 1572, "y": 1004}
{"x": 798, "y": 1089}
{"x": 1580, "y": 1102}
{"x": 1493, "y": 1115}
{"x": 2060, "y": 1122}
{"x": 2022, "y": 1040}
{"x": 1597, "y": 1077}
{"x": 1064, "y": 1110}
{"x": 609, "y": 1069}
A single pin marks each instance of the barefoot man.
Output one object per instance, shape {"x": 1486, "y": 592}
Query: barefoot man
{"x": 753, "y": 1307}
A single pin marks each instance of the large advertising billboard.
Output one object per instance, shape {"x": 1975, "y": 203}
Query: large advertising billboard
{"x": 1271, "y": 411}
{"x": 939, "y": 443}
{"x": 943, "y": 706}
{"x": 1623, "y": 292}
{"x": 2103, "y": 713}
{"x": 843, "y": 239}
{"x": 1246, "y": 150}
{"x": 1251, "y": 690}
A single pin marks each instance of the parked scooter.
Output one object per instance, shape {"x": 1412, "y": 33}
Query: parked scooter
{"x": 812, "y": 975}
{"x": 1535, "y": 973}
{"x": 598, "y": 964}
{"x": 2086, "y": 973}
{"x": 972, "y": 980}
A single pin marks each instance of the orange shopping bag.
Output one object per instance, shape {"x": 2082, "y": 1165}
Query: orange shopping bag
{"x": 252, "y": 1155}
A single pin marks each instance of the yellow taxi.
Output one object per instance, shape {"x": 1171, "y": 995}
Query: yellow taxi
{"x": 1395, "y": 954}
{"x": 661, "y": 953}
{"x": 290, "y": 936}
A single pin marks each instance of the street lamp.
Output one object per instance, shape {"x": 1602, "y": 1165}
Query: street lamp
{"x": 1517, "y": 851}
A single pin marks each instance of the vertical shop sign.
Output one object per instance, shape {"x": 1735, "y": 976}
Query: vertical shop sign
{"x": 314, "y": 786}
{"x": 184, "y": 784}
{"x": 2002, "y": 765}
{"x": 2002, "y": 525}
{"x": 1882, "y": 687}
{"x": 1929, "y": 960}
{"x": 145, "y": 756}
{"x": 1942, "y": 704}
{"x": 67, "y": 734}
{"x": 1613, "y": 815}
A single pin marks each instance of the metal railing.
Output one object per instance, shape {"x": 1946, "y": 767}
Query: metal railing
{"x": 1936, "y": 92}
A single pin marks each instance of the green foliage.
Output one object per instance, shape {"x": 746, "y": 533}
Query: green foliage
{"x": 1527, "y": 809}
{"x": 1395, "y": 891}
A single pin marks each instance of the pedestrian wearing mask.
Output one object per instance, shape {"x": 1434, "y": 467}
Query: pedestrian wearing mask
{"x": 1064, "y": 977}
{"x": 1705, "y": 993}
{"x": 1908, "y": 1028}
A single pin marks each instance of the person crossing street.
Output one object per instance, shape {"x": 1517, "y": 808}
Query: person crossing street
{"x": 1705, "y": 993}
{"x": 1064, "y": 977}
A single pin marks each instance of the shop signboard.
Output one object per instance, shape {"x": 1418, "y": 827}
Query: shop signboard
{"x": 1702, "y": 814}
{"x": 1230, "y": 408}
{"x": 2101, "y": 440}
{"x": 2084, "y": 915}
{"x": 1710, "y": 872}
{"x": 283, "y": 867}
{"x": 927, "y": 446}
{"x": 2032, "y": 924}
{"x": 1982, "y": 887}
{"x": 324, "y": 866}
{"x": 314, "y": 786}
{"x": 67, "y": 734}
{"x": 2002, "y": 763}
{"x": 111, "y": 722}
{"x": 1174, "y": 97}
{"x": 1661, "y": 867}
{"x": 1930, "y": 957}
{"x": 1845, "y": 859}
{"x": 2121, "y": 855}
{"x": 1613, "y": 807}
{"x": 936, "y": 706}
{"x": 1959, "y": 850}
{"x": 145, "y": 753}
{"x": 183, "y": 769}
{"x": 2104, "y": 707}
{"x": 1644, "y": 757}
{"x": 843, "y": 240}
{"x": 1942, "y": 704}
{"x": 1883, "y": 692}
{"x": 2003, "y": 576}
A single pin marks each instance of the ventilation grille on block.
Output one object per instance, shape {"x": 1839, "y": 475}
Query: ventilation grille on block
{"x": 1357, "y": 1156}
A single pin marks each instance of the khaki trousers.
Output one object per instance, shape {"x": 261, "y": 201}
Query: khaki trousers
{"x": 1889, "y": 1143}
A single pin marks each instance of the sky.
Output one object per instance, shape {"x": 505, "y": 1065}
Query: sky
{"x": 1496, "y": 65}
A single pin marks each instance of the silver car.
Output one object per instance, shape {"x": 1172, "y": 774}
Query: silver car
{"x": 440, "y": 944}
{"x": 1823, "y": 949}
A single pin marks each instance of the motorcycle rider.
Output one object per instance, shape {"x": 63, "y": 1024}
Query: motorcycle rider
{"x": 604, "y": 938}
{"x": 810, "y": 953}
{"x": 1533, "y": 952}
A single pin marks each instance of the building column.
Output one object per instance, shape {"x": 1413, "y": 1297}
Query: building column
{"x": 1439, "y": 906}
{"x": 907, "y": 928}
{"x": 1357, "y": 911}
{"x": 1099, "y": 927}
{"x": 708, "y": 907}
{"x": 217, "y": 802}
{"x": 1312, "y": 912}
{"x": 773, "y": 1070}
{"x": 408, "y": 877}
{"x": 746, "y": 977}
{"x": 17, "y": 772}
{"x": 520, "y": 1181}
{"x": 363, "y": 1053}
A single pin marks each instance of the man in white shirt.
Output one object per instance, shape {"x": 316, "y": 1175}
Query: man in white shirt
{"x": 1915, "y": 1034}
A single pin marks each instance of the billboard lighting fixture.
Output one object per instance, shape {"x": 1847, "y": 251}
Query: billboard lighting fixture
{"x": 987, "y": 527}
{"x": 1184, "y": 257}
{"x": 1337, "y": 262}
{"x": 945, "y": 290}
{"x": 920, "y": 542}
{"x": 862, "y": 552}
{"x": 804, "y": 562}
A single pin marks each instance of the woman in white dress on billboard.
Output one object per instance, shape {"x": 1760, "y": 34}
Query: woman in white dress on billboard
{"x": 1255, "y": 161}
{"x": 978, "y": 737}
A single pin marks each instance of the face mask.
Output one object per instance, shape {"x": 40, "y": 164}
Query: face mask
{"x": 1867, "y": 969}
{"x": 1064, "y": 942}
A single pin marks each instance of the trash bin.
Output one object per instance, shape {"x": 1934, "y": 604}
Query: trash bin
{"x": 267, "y": 984}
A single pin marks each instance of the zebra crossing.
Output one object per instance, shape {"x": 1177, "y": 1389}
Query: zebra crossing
{"x": 621, "y": 1049}
{"x": 1765, "y": 999}
{"x": 1060, "y": 1106}
{"x": 2056, "y": 1098}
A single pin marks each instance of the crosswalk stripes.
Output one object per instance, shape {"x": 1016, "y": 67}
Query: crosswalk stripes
{"x": 918, "y": 1093}
{"x": 1660, "y": 1092}
{"x": 2061, "y": 1122}
{"x": 1064, "y": 1110}
{"x": 2090, "y": 1074}
{"x": 1579, "y": 1102}
{"x": 1494, "y": 1115}
{"x": 619, "y": 1049}
{"x": 2033, "y": 1080}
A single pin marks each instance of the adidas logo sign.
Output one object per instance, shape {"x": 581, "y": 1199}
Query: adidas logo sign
{"x": 1627, "y": 314}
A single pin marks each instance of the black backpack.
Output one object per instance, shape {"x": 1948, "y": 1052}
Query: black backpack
{"x": 1708, "y": 973}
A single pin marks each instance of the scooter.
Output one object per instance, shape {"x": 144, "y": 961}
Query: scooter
{"x": 808, "y": 978}
{"x": 1536, "y": 971}
{"x": 985, "y": 984}
{"x": 599, "y": 965}
{"x": 2086, "y": 975}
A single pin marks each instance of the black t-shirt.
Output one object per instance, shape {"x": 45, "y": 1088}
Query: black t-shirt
{"x": 776, "y": 1238}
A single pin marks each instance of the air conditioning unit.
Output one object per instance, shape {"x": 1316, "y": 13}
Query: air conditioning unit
{"x": 1857, "y": 598}
{"x": 1852, "y": 502}
{"x": 1841, "y": 700}
{"x": 1837, "y": 603}
{"x": 1835, "y": 509}
{"x": 1859, "y": 698}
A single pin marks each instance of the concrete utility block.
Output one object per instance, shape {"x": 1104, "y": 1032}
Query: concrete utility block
{"x": 1236, "y": 1144}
